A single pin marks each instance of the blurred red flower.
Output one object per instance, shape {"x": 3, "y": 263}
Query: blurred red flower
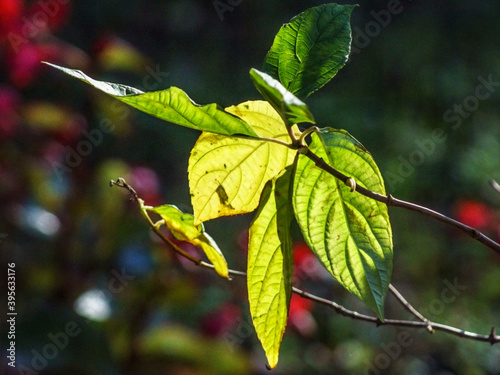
{"x": 10, "y": 14}
{"x": 474, "y": 214}
{"x": 300, "y": 316}
{"x": 26, "y": 39}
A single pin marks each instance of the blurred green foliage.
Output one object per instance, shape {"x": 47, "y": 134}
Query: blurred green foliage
{"x": 84, "y": 255}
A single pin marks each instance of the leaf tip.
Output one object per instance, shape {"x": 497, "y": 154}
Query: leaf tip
{"x": 380, "y": 316}
{"x": 49, "y": 64}
{"x": 197, "y": 221}
{"x": 379, "y": 310}
{"x": 273, "y": 362}
{"x": 224, "y": 273}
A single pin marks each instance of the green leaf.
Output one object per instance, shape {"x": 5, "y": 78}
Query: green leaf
{"x": 308, "y": 51}
{"x": 171, "y": 105}
{"x": 350, "y": 233}
{"x": 182, "y": 227}
{"x": 270, "y": 264}
{"x": 227, "y": 174}
{"x": 291, "y": 109}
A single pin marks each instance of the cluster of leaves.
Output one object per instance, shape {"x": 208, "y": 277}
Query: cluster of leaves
{"x": 254, "y": 156}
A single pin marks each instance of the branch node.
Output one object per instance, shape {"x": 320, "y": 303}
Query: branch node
{"x": 492, "y": 338}
{"x": 120, "y": 182}
{"x": 390, "y": 200}
{"x": 475, "y": 234}
{"x": 351, "y": 182}
{"x": 378, "y": 322}
{"x": 320, "y": 162}
{"x": 302, "y": 150}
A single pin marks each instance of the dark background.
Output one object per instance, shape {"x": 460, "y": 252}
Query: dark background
{"x": 97, "y": 294}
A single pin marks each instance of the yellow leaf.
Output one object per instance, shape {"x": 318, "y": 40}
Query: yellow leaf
{"x": 182, "y": 228}
{"x": 227, "y": 174}
{"x": 270, "y": 265}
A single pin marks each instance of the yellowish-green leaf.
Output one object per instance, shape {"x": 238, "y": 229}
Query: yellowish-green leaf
{"x": 172, "y": 105}
{"x": 182, "y": 227}
{"x": 291, "y": 109}
{"x": 226, "y": 174}
{"x": 350, "y": 233}
{"x": 270, "y": 264}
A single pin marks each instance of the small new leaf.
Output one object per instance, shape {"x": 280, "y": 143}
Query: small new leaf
{"x": 350, "y": 233}
{"x": 227, "y": 174}
{"x": 291, "y": 109}
{"x": 172, "y": 105}
{"x": 270, "y": 264}
{"x": 182, "y": 227}
{"x": 308, "y": 51}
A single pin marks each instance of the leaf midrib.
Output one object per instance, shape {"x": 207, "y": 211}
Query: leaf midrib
{"x": 252, "y": 151}
{"x": 344, "y": 204}
{"x": 199, "y": 107}
{"x": 292, "y": 83}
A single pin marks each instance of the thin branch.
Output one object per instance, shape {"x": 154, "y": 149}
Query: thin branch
{"x": 291, "y": 131}
{"x": 389, "y": 200}
{"x": 409, "y": 307}
{"x": 155, "y": 227}
{"x": 495, "y": 186}
{"x": 306, "y": 133}
{"x": 120, "y": 182}
{"x": 492, "y": 338}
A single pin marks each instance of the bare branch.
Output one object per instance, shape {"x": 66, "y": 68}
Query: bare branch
{"x": 120, "y": 182}
{"x": 495, "y": 186}
{"x": 409, "y": 307}
{"x": 430, "y": 326}
{"x": 389, "y": 200}
{"x": 492, "y": 338}
{"x": 156, "y": 228}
